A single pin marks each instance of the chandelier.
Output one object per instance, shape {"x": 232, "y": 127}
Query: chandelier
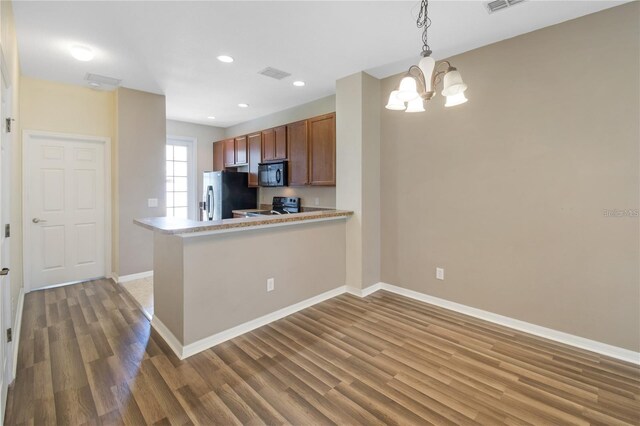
{"x": 419, "y": 83}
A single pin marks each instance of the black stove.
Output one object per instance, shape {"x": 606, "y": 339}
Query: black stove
{"x": 280, "y": 206}
{"x": 286, "y": 205}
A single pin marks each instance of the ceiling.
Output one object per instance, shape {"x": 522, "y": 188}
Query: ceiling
{"x": 170, "y": 47}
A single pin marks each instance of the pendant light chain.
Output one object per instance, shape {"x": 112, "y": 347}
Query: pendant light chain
{"x": 424, "y": 21}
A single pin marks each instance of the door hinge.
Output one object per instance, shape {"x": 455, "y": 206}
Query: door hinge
{"x": 9, "y": 337}
{"x": 7, "y": 230}
{"x": 8, "y": 124}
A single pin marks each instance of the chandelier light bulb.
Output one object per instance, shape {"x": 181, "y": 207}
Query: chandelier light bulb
{"x": 394, "y": 103}
{"x": 453, "y": 83}
{"x": 408, "y": 89}
{"x": 416, "y": 105}
{"x": 456, "y": 99}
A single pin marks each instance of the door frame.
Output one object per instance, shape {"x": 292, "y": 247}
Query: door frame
{"x": 193, "y": 170}
{"x": 27, "y": 136}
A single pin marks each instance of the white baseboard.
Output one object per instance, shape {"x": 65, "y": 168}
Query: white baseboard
{"x": 365, "y": 291}
{"x": 168, "y": 337}
{"x": 131, "y": 277}
{"x": 17, "y": 327}
{"x": 213, "y": 340}
{"x": 536, "y": 330}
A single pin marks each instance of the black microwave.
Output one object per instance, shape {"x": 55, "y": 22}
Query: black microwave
{"x": 272, "y": 174}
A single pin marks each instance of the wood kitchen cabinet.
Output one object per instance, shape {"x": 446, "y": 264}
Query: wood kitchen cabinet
{"x": 255, "y": 156}
{"x": 274, "y": 144}
{"x": 218, "y": 156}
{"x": 241, "y": 150}
{"x": 229, "y": 148}
{"x": 298, "y": 153}
{"x": 322, "y": 150}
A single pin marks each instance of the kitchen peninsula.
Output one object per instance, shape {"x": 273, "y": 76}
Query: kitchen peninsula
{"x": 210, "y": 278}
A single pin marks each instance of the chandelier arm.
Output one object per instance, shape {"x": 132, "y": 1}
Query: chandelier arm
{"x": 421, "y": 79}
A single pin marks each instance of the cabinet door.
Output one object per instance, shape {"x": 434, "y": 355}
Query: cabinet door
{"x": 241, "y": 150}
{"x": 255, "y": 148}
{"x": 229, "y": 152}
{"x": 298, "y": 153}
{"x": 268, "y": 145}
{"x": 322, "y": 150}
{"x": 218, "y": 156}
{"x": 280, "y": 142}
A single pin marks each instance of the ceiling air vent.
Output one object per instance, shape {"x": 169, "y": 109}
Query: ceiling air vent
{"x": 274, "y": 73}
{"x": 101, "y": 82}
{"x": 496, "y": 5}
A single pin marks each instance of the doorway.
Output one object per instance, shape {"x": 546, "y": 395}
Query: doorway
{"x": 67, "y": 212}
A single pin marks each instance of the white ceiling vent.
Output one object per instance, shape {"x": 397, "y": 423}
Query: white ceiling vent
{"x": 274, "y": 73}
{"x": 101, "y": 82}
{"x": 496, "y": 5}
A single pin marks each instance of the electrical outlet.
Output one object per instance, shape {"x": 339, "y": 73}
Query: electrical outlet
{"x": 317, "y": 201}
{"x": 152, "y": 202}
{"x": 271, "y": 284}
{"x": 440, "y": 273}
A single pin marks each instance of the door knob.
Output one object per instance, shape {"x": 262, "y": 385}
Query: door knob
{"x": 36, "y": 220}
{"x": 5, "y": 271}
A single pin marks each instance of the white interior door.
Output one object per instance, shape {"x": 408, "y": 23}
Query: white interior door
{"x": 64, "y": 209}
{"x": 6, "y": 368}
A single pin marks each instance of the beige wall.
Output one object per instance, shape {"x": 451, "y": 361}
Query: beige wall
{"x": 9, "y": 47}
{"x": 218, "y": 291}
{"x": 325, "y": 196}
{"x": 141, "y": 139}
{"x": 507, "y": 192}
{"x": 358, "y": 174}
{"x": 205, "y": 136}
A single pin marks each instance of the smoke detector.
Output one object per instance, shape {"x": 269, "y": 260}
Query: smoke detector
{"x": 496, "y": 5}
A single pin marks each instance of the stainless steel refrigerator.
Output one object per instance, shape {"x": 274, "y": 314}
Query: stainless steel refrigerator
{"x": 224, "y": 192}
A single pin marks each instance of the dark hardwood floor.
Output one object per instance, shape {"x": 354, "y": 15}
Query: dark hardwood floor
{"x": 88, "y": 355}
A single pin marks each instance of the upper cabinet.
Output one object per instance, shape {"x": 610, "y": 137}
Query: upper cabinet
{"x": 255, "y": 154}
{"x": 229, "y": 152}
{"x": 274, "y": 144}
{"x": 298, "y": 153}
{"x": 322, "y": 150}
{"x": 309, "y": 146}
{"x": 241, "y": 150}
{"x": 218, "y": 156}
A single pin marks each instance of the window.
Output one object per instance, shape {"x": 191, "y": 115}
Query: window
{"x": 181, "y": 197}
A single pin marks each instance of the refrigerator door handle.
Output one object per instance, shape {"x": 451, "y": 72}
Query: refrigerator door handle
{"x": 210, "y": 203}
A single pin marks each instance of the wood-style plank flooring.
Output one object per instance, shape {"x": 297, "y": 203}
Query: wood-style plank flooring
{"x": 88, "y": 355}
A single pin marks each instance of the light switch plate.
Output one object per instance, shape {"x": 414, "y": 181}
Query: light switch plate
{"x": 152, "y": 202}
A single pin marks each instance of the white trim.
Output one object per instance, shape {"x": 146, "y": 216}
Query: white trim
{"x": 131, "y": 277}
{"x": 26, "y": 168}
{"x": 192, "y": 144}
{"x": 208, "y": 342}
{"x": 17, "y": 327}
{"x": 365, "y": 291}
{"x": 168, "y": 337}
{"x": 536, "y": 330}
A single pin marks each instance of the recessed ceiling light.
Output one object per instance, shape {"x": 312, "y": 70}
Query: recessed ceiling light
{"x": 299, "y": 83}
{"x": 243, "y": 105}
{"x": 81, "y": 53}
{"x": 94, "y": 84}
{"x": 211, "y": 117}
{"x": 225, "y": 59}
